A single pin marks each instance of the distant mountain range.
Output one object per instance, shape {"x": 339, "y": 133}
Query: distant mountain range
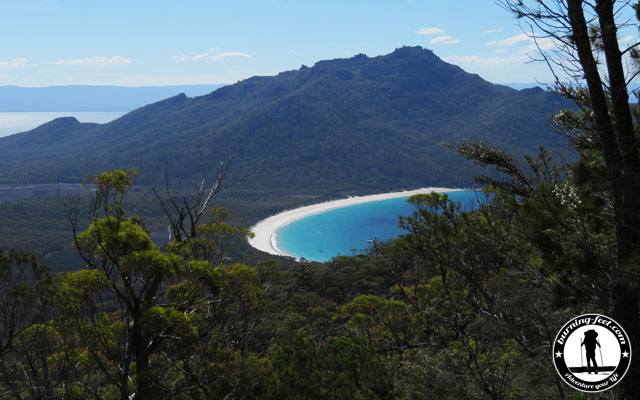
{"x": 530, "y": 85}
{"x": 359, "y": 124}
{"x": 90, "y": 98}
{"x": 632, "y": 86}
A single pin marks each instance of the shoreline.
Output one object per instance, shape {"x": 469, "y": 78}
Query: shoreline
{"x": 265, "y": 230}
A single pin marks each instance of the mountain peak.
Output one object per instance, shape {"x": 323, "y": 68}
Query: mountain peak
{"x": 63, "y": 121}
{"x": 412, "y": 51}
{"x": 61, "y": 127}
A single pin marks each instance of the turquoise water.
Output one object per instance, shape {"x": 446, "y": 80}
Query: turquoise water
{"x": 347, "y": 230}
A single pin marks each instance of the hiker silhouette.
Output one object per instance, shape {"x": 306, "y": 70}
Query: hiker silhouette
{"x": 589, "y": 342}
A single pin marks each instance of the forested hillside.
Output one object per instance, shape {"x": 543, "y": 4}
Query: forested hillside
{"x": 361, "y": 124}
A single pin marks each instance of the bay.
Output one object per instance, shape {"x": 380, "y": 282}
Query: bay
{"x": 17, "y": 122}
{"x": 349, "y": 230}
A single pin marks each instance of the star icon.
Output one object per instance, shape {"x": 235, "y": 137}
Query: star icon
{"x": 625, "y": 354}
{"x": 558, "y": 354}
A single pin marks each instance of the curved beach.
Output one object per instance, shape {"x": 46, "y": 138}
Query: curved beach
{"x": 264, "y": 231}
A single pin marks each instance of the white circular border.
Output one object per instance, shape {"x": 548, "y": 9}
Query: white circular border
{"x": 563, "y": 328}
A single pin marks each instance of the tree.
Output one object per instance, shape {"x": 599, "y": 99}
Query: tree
{"x": 157, "y": 322}
{"x": 583, "y": 31}
{"x": 127, "y": 274}
{"x": 479, "y": 295}
{"x": 27, "y": 339}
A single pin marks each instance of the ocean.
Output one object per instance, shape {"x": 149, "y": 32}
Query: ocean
{"x": 350, "y": 230}
{"x": 16, "y": 122}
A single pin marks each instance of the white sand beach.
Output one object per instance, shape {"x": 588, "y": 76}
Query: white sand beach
{"x": 264, "y": 231}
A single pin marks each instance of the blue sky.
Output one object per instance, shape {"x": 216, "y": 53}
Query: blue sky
{"x": 142, "y": 42}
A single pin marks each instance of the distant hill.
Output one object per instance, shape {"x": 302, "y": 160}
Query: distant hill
{"x": 359, "y": 124}
{"x": 90, "y": 98}
{"x": 526, "y": 85}
{"x": 632, "y": 86}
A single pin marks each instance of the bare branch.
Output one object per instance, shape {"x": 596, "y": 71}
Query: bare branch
{"x": 184, "y": 215}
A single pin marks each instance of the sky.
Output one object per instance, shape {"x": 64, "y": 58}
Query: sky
{"x": 162, "y": 42}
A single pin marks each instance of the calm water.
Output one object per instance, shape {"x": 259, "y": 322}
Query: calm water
{"x": 16, "y": 122}
{"x": 347, "y": 230}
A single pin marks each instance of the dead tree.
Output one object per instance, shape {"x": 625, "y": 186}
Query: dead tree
{"x": 184, "y": 213}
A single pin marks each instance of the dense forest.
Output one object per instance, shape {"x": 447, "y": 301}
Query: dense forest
{"x": 462, "y": 306}
{"x": 465, "y": 305}
{"x": 439, "y": 311}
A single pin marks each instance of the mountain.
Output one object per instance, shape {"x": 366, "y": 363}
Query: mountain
{"x": 90, "y": 98}
{"x": 358, "y": 124}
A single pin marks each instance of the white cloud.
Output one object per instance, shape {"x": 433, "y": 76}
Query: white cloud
{"x": 98, "y": 60}
{"x": 199, "y": 57}
{"x": 499, "y": 51}
{"x": 229, "y": 54}
{"x": 532, "y": 43}
{"x": 628, "y": 38}
{"x": 444, "y": 40}
{"x": 512, "y": 41}
{"x": 493, "y": 31}
{"x": 542, "y": 44}
{"x": 477, "y": 60}
{"x": 211, "y": 55}
{"x": 14, "y": 63}
{"x": 430, "y": 31}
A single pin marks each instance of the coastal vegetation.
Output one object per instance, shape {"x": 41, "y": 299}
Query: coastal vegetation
{"x": 465, "y": 305}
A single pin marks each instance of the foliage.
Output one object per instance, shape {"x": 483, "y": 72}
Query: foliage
{"x": 143, "y": 314}
{"x": 340, "y": 368}
{"x": 465, "y": 305}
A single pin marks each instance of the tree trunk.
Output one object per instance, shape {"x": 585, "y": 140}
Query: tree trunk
{"x": 144, "y": 381}
{"x": 620, "y": 151}
{"x": 625, "y": 295}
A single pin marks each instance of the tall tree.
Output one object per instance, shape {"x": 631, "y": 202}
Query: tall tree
{"x": 144, "y": 313}
{"x": 583, "y": 31}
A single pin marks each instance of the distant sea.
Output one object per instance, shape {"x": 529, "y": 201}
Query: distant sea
{"x": 16, "y": 122}
{"x": 348, "y": 230}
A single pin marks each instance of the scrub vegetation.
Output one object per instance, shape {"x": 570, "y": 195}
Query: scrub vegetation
{"x": 465, "y": 305}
